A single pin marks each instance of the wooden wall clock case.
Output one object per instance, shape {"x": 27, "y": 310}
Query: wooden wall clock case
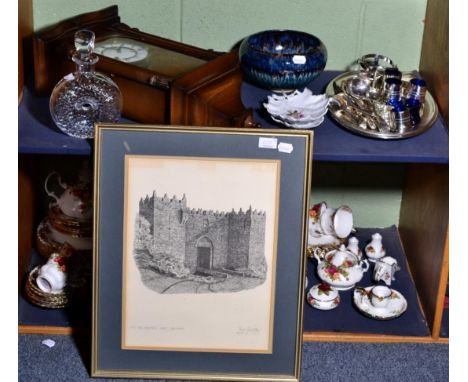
{"x": 144, "y": 83}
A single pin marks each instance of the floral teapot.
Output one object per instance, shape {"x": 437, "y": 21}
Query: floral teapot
{"x": 341, "y": 268}
{"x": 76, "y": 199}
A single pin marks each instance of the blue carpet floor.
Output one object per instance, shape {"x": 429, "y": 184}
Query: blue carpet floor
{"x": 68, "y": 361}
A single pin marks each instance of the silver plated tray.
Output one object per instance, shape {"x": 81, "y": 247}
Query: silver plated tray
{"x": 339, "y": 112}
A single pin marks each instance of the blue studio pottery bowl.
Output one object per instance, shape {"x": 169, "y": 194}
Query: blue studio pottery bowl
{"x": 282, "y": 59}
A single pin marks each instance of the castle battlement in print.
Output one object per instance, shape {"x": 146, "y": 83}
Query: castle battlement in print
{"x": 179, "y": 249}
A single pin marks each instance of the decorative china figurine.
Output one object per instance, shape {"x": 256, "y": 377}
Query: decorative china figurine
{"x": 380, "y": 302}
{"x": 353, "y": 246}
{"x": 281, "y": 60}
{"x": 385, "y": 269}
{"x": 52, "y": 276}
{"x": 84, "y": 97}
{"x": 323, "y": 296}
{"x": 375, "y": 249}
{"x": 341, "y": 268}
{"x": 299, "y": 110}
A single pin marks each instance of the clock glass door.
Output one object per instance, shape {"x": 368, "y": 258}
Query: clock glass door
{"x": 143, "y": 55}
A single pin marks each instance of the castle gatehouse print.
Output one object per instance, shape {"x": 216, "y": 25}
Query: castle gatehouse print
{"x": 200, "y": 248}
{"x": 179, "y": 249}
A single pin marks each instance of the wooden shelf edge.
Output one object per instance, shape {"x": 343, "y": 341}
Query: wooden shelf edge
{"x": 360, "y": 337}
{"x": 442, "y": 289}
{"x": 56, "y": 330}
{"x": 307, "y": 336}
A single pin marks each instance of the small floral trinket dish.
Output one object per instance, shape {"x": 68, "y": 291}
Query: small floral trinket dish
{"x": 323, "y": 296}
{"x": 298, "y": 110}
{"x": 369, "y": 303}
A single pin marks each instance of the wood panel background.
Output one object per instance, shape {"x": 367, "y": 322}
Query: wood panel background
{"x": 423, "y": 228}
{"x": 26, "y": 214}
{"x": 434, "y": 64}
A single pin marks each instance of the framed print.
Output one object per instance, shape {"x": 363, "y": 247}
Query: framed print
{"x": 199, "y": 252}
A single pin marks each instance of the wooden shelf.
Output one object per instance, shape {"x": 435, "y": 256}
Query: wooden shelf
{"x": 347, "y": 319}
{"x": 423, "y": 221}
{"x": 344, "y": 323}
{"x": 334, "y": 143}
{"x": 38, "y": 134}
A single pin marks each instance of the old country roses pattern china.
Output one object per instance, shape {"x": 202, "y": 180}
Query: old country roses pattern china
{"x": 395, "y": 307}
{"x": 328, "y": 227}
{"x": 52, "y": 275}
{"x": 375, "y": 249}
{"x": 69, "y": 217}
{"x": 76, "y": 199}
{"x": 323, "y": 296}
{"x": 385, "y": 269}
{"x": 341, "y": 268}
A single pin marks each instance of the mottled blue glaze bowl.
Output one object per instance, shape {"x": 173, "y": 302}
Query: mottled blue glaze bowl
{"x": 282, "y": 59}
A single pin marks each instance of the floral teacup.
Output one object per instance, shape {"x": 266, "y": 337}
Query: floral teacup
{"x": 52, "y": 275}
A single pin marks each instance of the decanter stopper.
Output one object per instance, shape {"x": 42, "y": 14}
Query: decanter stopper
{"x": 84, "y": 41}
{"x": 84, "y": 97}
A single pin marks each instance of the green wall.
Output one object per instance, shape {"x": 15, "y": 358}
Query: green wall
{"x": 373, "y": 191}
{"x": 349, "y": 29}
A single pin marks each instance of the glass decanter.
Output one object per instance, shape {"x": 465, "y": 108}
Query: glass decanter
{"x": 84, "y": 97}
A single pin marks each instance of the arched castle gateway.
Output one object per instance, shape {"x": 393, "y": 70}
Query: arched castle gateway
{"x": 205, "y": 240}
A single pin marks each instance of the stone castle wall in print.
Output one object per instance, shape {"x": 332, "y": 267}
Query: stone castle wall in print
{"x": 179, "y": 249}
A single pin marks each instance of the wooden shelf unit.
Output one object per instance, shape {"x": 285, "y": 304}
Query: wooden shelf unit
{"x": 217, "y": 101}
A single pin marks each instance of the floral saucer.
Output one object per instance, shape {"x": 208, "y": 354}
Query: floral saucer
{"x": 395, "y": 308}
{"x": 50, "y": 240}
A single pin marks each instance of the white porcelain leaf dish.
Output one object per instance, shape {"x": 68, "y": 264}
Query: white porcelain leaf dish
{"x": 298, "y": 110}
